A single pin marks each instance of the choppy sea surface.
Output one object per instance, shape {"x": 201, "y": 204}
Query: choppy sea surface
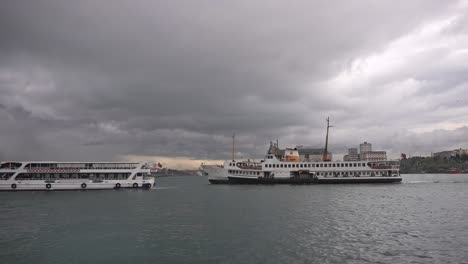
{"x": 186, "y": 220}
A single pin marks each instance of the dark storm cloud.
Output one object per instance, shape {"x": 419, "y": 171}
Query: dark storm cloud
{"x": 105, "y": 79}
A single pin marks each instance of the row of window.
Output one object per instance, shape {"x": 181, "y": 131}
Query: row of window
{"x": 10, "y": 165}
{"x": 95, "y": 166}
{"x": 55, "y": 176}
{"x": 5, "y": 176}
{"x": 351, "y": 174}
{"x": 237, "y": 172}
{"x": 320, "y": 165}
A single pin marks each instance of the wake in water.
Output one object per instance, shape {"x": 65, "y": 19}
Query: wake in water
{"x": 164, "y": 188}
{"x": 412, "y": 182}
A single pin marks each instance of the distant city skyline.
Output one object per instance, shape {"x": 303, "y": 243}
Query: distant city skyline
{"x": 172, "y": 80}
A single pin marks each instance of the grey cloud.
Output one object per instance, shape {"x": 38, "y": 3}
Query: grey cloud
{"x": 102, "y": 79}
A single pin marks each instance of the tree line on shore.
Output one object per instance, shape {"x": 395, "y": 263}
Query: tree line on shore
{"x": 434, "y": 164}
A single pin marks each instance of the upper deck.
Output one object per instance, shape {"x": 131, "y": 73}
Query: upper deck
{"x": 53, "y": 165}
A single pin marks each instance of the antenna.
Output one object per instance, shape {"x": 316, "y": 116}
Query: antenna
{"x": 325, "y": 152}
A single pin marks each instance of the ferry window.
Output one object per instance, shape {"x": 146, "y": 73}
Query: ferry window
{"x": 321, "y": 165}
{"x": 354, "y": 165}
{"x": 334, "y": 165}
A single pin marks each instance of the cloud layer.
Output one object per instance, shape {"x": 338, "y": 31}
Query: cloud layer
{"x": 105, "y": 80}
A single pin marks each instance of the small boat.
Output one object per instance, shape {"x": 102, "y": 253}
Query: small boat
{"x": 455, "y": 171}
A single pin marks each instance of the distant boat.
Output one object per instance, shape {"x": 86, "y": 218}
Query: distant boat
{"x": 455, "y": 171}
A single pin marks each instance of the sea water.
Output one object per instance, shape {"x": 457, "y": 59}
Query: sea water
{"x": 187, "y": 220}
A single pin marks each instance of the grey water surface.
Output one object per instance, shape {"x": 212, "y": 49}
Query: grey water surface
{"x": 186, "y": 220}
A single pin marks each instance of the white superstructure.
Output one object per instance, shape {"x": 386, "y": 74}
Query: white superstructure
{"x": 51, "y": 175}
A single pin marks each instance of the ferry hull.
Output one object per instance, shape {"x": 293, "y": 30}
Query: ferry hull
{"x": 213, "y": 181}
{"x": 242, "y": 180}
{"x": 353, "y": 180}
{"x": 84, "y": 185}
{"x": 360, "y": 180}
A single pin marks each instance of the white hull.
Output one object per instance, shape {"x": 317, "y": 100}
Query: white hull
{"x": 215, "y": 173}
{"x": 33, "y": 185}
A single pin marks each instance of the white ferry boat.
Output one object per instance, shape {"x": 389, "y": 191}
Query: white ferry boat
{"x": 51, "y": 175}
{"x": 275, "y": 171}
{"x": 290, "y": 169}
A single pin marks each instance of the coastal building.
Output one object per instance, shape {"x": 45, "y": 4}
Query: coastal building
{"x": 306, "y": 154}
{"x": 445, "y": 154}
{"x": 352, "y": 155}
{"x": 365, "y": 147}
{"x": 460, "y": 152}
{"x": 450, "y": 153}
{"x": 366, "y": 154}
{"x": 374, "y": 156}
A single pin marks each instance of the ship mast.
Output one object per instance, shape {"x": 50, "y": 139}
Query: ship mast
{"x": 233, "y": 142}
{"x": 325, "y": 152}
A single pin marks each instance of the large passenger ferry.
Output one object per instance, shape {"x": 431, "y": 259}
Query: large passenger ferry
{"x": 50, "y": 175}
{"x": 286, "y": 166}
{"x": 275, "y": 171}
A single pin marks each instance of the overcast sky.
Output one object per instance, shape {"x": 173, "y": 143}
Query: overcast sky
{"x": 172, "y": 80}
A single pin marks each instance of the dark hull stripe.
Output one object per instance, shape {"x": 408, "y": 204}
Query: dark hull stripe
{"x": 219, "y": 181}
{"x": 236, "y": 180}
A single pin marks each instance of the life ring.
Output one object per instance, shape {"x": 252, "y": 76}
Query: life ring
{"x": 48, "y": 186}
{"x": 83, "y": 186}
{"x": 117, "y": 185}
{"x": 135, "y": 185}
{"x": 13, "y": 186}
